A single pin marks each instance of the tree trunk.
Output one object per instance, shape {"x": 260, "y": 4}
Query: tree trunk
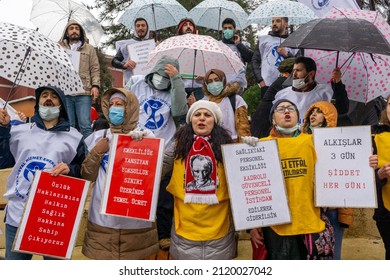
{"x": 372, "y": 5}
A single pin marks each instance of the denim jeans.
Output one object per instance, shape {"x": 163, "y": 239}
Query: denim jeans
{"x": 79, "y": 109}
{"x": 10, "y": 233}
{"x": 338, "y": 232}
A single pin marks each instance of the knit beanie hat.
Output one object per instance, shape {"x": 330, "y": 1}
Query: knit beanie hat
{"x": 276, "y": 104}
{"x": 204, "y": 104}
{"x": 287, "y": 65}
{"x": 118, "y": 95}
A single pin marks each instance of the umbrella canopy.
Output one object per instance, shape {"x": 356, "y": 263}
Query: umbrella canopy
{"x": 340, "y": 34}
{"x": 159, "y": 14}
{"x": 366, "y": 76}
{"x": 197, "y": 54}
{"x": 296, "y": 12}
{"x": 52, "y": 16}
{"x": 211, "y": 13}
{"x": 30, "y": 59}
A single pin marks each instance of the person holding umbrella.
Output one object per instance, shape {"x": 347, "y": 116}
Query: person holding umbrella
{"x": 305, "y": 90}
{"x": 268, "y": 53}
{"x": 79, "y": 105}
{"x": 122, "y": 59}
{"x": 49, "y": 144}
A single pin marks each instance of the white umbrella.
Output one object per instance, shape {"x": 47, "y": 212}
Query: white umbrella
{"x": 30, "y": 59}
{"x": 197, "y": 54}
{"x": 52, "y": 16}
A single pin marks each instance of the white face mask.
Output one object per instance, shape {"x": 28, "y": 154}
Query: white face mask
{"x": 287, "y": 131}
{"x": 49, "y": 113}
{"x": 300, "y": 83}
{"x": 160, "y": 82}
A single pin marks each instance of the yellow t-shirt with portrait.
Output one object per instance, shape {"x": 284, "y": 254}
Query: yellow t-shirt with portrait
{"x": 298, "y": 157}
{"x": 382, "y": 141}
{"x": 199, "y": 222}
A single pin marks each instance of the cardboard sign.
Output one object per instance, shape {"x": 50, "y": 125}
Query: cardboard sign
{"x": 256, "y": 185}
{"x": 343, "y": 175}
{"x": 52, "y": 216}
{"x": 133, "y": 177}
{"x": 139, "y": 52}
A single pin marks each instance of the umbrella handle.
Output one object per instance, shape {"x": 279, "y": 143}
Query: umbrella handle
{"x": 193, "y": 70}
{"x": 337, "y": 58}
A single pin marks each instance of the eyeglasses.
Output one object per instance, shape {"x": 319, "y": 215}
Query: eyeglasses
{"x": 282, "y": 109}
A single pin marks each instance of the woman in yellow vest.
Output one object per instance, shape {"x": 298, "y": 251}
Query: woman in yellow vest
{"x": 285, "y": 241}
{"x": 202, "y": 227}
{"x": 381, "y": 162}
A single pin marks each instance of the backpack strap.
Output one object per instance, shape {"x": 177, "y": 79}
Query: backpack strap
{"x": 232, "y": 99}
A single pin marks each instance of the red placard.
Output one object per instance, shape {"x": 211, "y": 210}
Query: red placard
{"x": 52, "y": 215}
{"x": 133, "y": 177}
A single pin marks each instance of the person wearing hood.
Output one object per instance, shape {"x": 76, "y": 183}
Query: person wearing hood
{"x": 162, "y": 101}
{"x": 110, "y": 237}
{"x": 49, "y": 144}
{"x": 324, "y": 114}
{"x": 286, "y": 241}
{"x": 235, "y": 117}
{"x": 122, "y": 58}
{"x": 305, "y": 90}
{"x": 186, "y": 26}
{"x": 79, "y": 105}
{"x": 241, "y": 48}
{"x": 268, "y": 53}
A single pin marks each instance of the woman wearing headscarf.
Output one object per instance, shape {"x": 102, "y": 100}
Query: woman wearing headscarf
{"x": 286, "y": 241}
{"x": 234, "y": 108}
{"x": 324, "y": 114}
{"x": 202, "y": 227}
{"x": 111, "y": 237}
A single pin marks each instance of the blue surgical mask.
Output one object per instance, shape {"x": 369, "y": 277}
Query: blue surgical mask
{"x": 49, "y": 113}
{"x": 160, "y": 82}
{"x": 287, "y": 131}
{"x": 228, "y": 34}
{"x": 215, "y": 88}
{"x": 116, "y": 115}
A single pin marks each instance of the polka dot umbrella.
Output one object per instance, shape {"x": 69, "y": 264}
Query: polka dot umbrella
{"x": 30, "y": 59}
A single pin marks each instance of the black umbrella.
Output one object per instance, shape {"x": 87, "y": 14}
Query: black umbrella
{"x": 340, "y": 34}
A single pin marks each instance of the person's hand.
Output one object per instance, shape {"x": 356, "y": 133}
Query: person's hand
{"x": 60, "y": 169}
{"x": 170, "y": 70}
{"x": 191, "y": 99}
{"x": 384, "y": 171}
{"x": 257, "y": 237}
{"x": 21, "y": 116}
{"x": 94, "y": 93}
{"x": 4, "y": 117}
{"x": 130, "y": 63}
{"x": 261, "y": 84}
{"x": 250, "y": 140}
{"x": 236, "y": 39}
{"x": 373, "y": 160}
{"x": 102, "y": 146}
{"x": 336, "y": 75}
{"x": 282, "y": 51}
{"x": 137, "y": 134}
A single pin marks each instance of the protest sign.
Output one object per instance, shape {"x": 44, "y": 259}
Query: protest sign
{"x": 52, "y": 215}
{"x": 139, "y": 53}
{"x": 133, "y": 177}
{"x": 256, "y": 185}
{"x": 343, "y": 175}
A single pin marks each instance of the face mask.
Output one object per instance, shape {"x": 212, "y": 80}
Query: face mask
{"x": 116, "y": 115}
{"x": 287, "y": 131}
{"x": 215, "y": 88}
{"x": 160, "y": 82}
{"x": 49, "y": 113}
{"x": 228, "y": 34}
{"x": 299, "y": 83}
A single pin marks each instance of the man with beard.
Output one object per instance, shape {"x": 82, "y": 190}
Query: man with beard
{"x": 79, "y": 105}
{"x": 122, "y": 58}
{"x": 305, "y": 91}
{"x": 269, "y": 54}
{"x": 48, "y": 144}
